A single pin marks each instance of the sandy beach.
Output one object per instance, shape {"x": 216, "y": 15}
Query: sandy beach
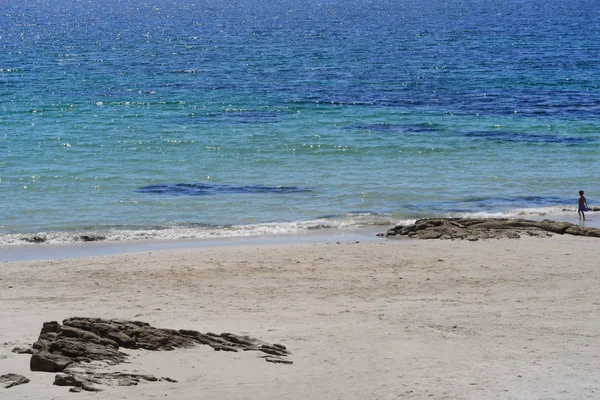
{"x": 384, "y": 319}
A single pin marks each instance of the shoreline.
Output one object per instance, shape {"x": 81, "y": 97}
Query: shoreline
{"x": 442, "y": 319}
{"x": 49, "y": 251}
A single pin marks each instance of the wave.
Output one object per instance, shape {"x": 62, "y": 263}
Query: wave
{"x": 558, "y": 213}
{"x": 334, "y": 223}
{"x": 192, "y": 231}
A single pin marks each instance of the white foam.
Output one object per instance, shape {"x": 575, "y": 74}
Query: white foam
{"x": 551, "y": 212}
{"x": 178, "y": 232}
{"x": 344, "y": 222}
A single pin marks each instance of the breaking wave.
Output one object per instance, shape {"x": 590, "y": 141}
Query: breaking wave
{"x": 333, "y": 224}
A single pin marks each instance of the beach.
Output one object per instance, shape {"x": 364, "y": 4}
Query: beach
{"x": 194, "y": 176}
{"x": 377, "y": 319}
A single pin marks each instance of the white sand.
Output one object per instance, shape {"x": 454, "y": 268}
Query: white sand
{"x": 497, "y": 319}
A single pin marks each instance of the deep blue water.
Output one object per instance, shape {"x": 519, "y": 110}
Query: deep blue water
{"x": 191, "y": 119}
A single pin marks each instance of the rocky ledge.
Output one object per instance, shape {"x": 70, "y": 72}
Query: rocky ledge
{"x": 80, "y": 346}
{"x": 493, "y": 228}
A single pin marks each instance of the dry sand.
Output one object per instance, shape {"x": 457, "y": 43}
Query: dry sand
{"x": 495, "y": 319}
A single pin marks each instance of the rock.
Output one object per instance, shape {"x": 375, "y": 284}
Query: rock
{"x": 128, "y": 381}
{"x": 52, "y": 326}
{"x": 10, "y": 380}
{"x": 49, "y": 362}
{"x": 35, "y": 239}
{"x": 89, "y": 380}
{"x": 493, "y": 228}
{"x": 582, "y": 231}
{"x": 431, "y": 234}
{"x": 76, "y": 380}
{"x": 22, "y": 350}
{"x": 74, "y": 348}
{"x": 63, "y": 379}
{"x": 92, "y": 238}
{"x": 512, "y": 235}
{"x": 277, "y": 360}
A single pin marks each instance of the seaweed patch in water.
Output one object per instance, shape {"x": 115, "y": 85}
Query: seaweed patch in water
{"x": 519, "y": 137}
{"x": 203, "y": 189}
{"x": 385, "y": 127}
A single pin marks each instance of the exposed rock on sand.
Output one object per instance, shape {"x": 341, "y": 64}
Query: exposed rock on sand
{"x": 10, "y": 380}
{"x": 72, "y": 348}
{"x": 474, "y": 229}
{"x": 86, "y": 379}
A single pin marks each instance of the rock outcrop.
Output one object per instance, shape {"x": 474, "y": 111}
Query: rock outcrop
{"x": 496, "y": 228}
{"x": 72, "y": 348}
{"x": 10, "y": 380}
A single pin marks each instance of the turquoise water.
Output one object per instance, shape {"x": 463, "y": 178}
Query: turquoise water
{"x": 196, "y": 119}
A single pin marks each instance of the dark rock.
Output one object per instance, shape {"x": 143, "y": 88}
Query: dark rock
{"x": 67, "y": 348}
{"x": 430, "y": 234}
{"x": 10, "y": 380}
{"x": 35, "y": 239}
{"x": 583, "y": 231}
{"x": 92, "y": 238}
{"x": 22, "y": 350}
{"x": 49, "y": 362}
{"x": 63, "y": 379}
{"x": 89, "y": 380}
{"x": 51, "y": 326}
{"x": 76, "y": 380}
{"x": 493, "y": 228}
{"x": 277, "y": 360}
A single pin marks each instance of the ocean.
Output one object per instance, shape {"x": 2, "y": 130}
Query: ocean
{"x": 186, "y": 120}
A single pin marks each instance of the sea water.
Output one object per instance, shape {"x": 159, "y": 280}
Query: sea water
{"x": 138, "y": 119}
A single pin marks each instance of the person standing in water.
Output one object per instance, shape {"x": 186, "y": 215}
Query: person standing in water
{"x": 582, "y": 205}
